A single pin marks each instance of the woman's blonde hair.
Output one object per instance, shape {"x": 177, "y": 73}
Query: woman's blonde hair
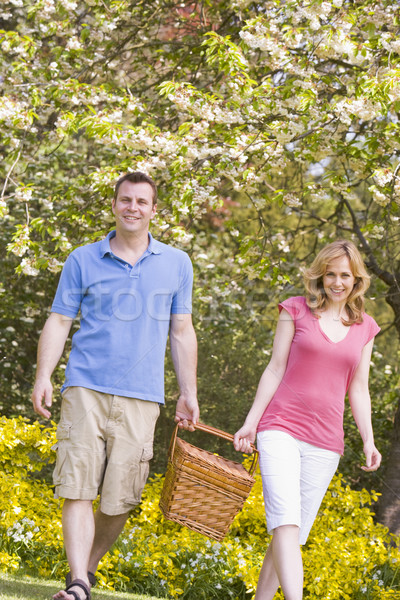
{"x": 313, "y": 280}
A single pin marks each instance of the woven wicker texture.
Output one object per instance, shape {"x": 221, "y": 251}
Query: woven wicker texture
{"x": 204, "y": 491}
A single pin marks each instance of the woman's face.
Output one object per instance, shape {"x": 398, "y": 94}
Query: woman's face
{"x": 338, "y": 280}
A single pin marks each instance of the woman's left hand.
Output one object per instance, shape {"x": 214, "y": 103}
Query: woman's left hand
{"x": 373, "y": 458}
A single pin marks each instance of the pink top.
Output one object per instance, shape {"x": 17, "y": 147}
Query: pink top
{"x": 309, "y": 402}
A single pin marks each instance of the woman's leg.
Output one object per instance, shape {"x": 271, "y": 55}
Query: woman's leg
{"x": 268, "y": 582}
{"x": 288, "y": 561}
{"x": 282, "y": 566}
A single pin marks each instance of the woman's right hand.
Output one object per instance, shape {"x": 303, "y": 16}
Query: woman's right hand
{"x": 244, "y": 438}
{"x": 269, "y": 383}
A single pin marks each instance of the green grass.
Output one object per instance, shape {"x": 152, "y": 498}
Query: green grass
{"x": 29, "y": 588}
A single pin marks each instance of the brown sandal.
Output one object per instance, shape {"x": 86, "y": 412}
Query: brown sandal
{"x": 81, "y": 584}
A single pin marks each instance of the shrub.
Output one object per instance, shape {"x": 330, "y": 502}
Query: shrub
{"x": 348, "y": 555}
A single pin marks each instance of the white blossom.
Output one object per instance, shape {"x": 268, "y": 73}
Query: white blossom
{"x": 28, "y": 268}
{"x": 378, "y": 232}
{"x": 73, "y": 43}
{"x": 63, "y": 122}
{"x": 379, "y": 197}
{"x": 23, "y": 194}
{"x": 47, "y": 8}
{"x": 383, "y": 176}
{"x": 13, "y": 112}
{"x": 292, "y": 200}
{"x": 54, "y": 265}
{"x": 70, "y": 4}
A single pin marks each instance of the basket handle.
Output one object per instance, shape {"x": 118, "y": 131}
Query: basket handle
{"x": 218, "y": 433}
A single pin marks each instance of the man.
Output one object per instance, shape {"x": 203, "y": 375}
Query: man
{"x": 131, "y": 291}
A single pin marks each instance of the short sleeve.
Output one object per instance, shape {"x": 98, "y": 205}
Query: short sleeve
{"x": 295, "y": 306}
{"x": 373, "y": 328}
{"x": 67, "y": 300}
{"x": 182, "y": 299}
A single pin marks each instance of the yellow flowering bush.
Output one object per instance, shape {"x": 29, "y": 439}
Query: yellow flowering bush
{"x": 25, "y": 446}
{"x": 348, "y": 555}
{"x": 28, "y": 510}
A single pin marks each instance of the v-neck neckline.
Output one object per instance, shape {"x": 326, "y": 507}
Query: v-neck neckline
{"x": 326, "y": 336}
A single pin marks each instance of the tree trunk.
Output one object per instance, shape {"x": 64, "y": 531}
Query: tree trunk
{"x": 393, "y": 299}
{"x": 388, "y": 511}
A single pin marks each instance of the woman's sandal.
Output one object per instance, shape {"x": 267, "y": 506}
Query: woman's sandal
{"x": 91, "y": 577}
{"x": 81, "y": 584}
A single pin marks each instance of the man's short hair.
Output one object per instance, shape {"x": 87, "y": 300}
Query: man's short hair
{"x": 137, "y": 177}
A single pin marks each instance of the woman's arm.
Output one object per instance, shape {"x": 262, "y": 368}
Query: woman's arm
{"x": 360, "y": 403}
{"x": 269, "y": 382}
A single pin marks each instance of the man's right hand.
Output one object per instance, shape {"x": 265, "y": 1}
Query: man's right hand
{"x": 51, "y": 346}
{"x": 42, "y": 397}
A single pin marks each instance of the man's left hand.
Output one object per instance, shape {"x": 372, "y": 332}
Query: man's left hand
{"x": 187, "y": 412}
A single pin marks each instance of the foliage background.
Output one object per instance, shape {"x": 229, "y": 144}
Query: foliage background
{"x": 271, "y": 128}
{"x": 268, "y": 137}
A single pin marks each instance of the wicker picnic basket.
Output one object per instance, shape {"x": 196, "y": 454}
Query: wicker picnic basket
{"x": 204, "y": 491}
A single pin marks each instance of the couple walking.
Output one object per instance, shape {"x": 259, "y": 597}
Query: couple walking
{"x": 132, "y": 292}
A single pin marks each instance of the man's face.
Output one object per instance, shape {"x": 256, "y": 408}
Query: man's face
{"x": 133, "y": 208}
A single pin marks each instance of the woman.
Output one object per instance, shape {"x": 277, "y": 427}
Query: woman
{"x": 322, "y": 349}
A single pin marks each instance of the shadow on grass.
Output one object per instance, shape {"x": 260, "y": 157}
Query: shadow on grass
{"x": 26, "y": 588}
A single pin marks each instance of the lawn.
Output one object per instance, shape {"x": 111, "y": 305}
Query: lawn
{"x": 29, "y": 588}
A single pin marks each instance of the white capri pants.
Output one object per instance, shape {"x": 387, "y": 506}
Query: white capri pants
{"x": 295, "y": 477}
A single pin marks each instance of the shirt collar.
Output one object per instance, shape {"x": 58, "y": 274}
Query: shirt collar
{"x": 154, "y": 247}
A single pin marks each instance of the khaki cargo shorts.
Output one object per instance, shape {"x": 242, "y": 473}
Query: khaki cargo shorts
{"x": 104, "y": 445}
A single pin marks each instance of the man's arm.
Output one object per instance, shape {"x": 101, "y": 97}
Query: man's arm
{"x": 184, "y": 356}
{"x": 51, "y": 346}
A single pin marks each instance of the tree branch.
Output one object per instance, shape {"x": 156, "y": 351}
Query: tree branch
{"x": 384, "y": 275}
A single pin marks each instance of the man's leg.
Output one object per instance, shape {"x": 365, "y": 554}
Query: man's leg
{"x": 78, "y": 530}
{"x": 107, "y": 530}
{"x": 130, "y": 432}
{"x": 87, "y": 538}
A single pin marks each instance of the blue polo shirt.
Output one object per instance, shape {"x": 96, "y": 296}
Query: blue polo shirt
{"x": 125, "y": 314}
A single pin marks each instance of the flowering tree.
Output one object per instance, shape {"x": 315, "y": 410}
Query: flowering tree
{"x": 271, "y": 128}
